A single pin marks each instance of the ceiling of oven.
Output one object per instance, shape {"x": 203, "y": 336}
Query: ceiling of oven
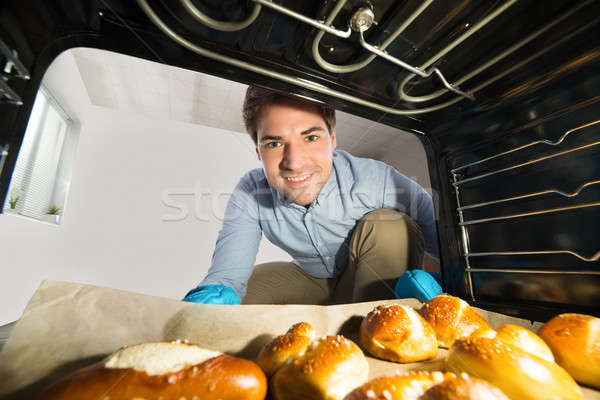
{"x": 156, "y": 90}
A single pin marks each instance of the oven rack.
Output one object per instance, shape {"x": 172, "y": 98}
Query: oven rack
{"x": 545, "y": 141}
{"x": 558, "y": 142}
{"x": 8, "y": 95}
{"x": 524, "y": 164}
{"x": 463, "y": 224}
{"x": 528, "y": 214}
{"x": 3, "y": 156}
{"x": 530, "y": 195}
{"x": 469, "y": 269}
{"x": 533, "y": 271}
{"x": 12, "y": 62}
{"x": 593, "y": 258}
{"x": 12, "y": 69}
{"x": 362, "y": 25}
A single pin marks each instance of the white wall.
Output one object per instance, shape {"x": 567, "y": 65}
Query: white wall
{"x": 402, "y": 150}
{"x": 113, "y": 231}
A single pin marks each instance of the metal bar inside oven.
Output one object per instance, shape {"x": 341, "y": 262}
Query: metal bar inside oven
{"x": 534, "y": 161}
{"x": 545, "y": 141}
{"x": 528, "y": 214}
{"x": 525, "y": 196}
{"x": 595, "y": 257}
{"x": 535, "y": 271}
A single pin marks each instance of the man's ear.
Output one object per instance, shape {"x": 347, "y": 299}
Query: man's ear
{"x": 257, "y": 152}
{"x": 333, "y": 140}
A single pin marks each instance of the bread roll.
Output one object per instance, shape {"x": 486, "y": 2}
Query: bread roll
{"x": 519, "y": 374}
{"x": 451, "y": 318}
{"x": 519, "y": 337}
{"x": 167, "y": 371}
{"x": 575, "y": 342}
{"x": 397, "y": 333}
{"x": 488, "y": 333}
{"x": 285, "y": 348}
{"x": 398, "y": 387}
{"x": 464, "y": 387}
{"x": 330, "y": 368}
{"x": 525, "y": 339}
{"x": 424, "y": 385}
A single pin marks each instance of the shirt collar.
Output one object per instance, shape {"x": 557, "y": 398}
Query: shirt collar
{"x": 328, "y": 187}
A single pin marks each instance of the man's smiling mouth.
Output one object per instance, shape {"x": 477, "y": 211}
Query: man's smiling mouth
{"x": 300, "y": 178}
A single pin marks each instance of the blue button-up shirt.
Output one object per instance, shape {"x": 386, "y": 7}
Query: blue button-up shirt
{"x": 316, "y": 237}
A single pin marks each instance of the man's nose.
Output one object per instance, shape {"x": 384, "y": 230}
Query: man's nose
{"x": 293, "y": 157}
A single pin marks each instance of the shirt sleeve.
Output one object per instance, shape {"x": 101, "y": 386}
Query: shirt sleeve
{"x": 237, "y": 243}
{"x": 405, "y": 195}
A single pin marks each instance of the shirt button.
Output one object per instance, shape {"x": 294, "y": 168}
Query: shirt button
{"x": 327, "y": 257}
{"x": 319, "y": 244}
{"x": 308, "y": 215}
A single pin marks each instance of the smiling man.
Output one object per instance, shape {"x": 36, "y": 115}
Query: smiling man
{"x": 295, "y": 145}
{"x": 353, "y": 226}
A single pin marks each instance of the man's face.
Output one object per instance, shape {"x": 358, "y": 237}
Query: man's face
{"x": 296, "y": 149}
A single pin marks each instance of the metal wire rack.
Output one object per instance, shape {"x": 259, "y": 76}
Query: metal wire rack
{"x": 458, "y": 181}
{"x": 13, "y": 68}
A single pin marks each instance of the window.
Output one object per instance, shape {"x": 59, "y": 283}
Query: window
{"x": 42, "y": 174}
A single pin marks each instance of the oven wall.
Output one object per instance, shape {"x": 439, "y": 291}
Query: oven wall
{"x": 524, "y": 169}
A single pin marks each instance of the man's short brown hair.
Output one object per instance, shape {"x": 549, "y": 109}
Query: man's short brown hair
{"x": 257, "y": 98}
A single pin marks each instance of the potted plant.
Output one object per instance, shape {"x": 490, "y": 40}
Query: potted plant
{"x": 54, "y": 213}
{"x": 13, "y": 199}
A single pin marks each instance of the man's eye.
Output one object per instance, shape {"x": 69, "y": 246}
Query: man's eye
{"x": 271, "y": 145}
{"x": 312, "y": 138}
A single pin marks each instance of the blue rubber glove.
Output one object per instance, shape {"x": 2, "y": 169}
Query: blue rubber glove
{"x": 417, "y": 283}
{"x": 212, "y": 294}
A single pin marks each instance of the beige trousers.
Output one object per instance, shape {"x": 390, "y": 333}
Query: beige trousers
{"x": 384, "y": 244}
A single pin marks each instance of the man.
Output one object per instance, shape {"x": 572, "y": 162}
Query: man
{"x": 352, "y": 225}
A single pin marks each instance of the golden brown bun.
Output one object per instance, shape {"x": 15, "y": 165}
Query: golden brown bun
{"x": 451, "y": 318}
{"x": 485, "y": 332}
{"x": 519, "y": 337}
{"x": 464, "y": 387}
{"x": 519, "y": 374}
{"x": 285, "y": 347}
{"x": 575, "y": 342}
{"x": 423, "y": 385}
{"x": 398, "y": 387}
{"x": 330, "y": 368}
{"x": 397, "y": 333}
{"x": 525, "y": 339}
{"x": 221, "y": 377}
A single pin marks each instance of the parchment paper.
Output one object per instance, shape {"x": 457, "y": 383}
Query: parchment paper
{"x": 67, "y": 326}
